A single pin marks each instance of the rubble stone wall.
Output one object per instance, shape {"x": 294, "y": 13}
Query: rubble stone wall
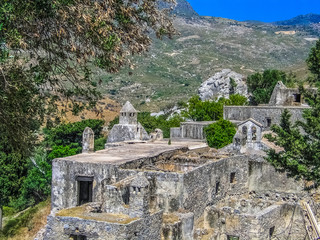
{"x": 64, "y": 193}
{"x": 142, "y": 229}
{"x": 261, "y": 113}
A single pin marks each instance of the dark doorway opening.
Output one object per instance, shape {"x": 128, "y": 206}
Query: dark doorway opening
{"x": 297, "y": 98}
{"x": 84, "y": 189}
{"x": 78, "y": 237}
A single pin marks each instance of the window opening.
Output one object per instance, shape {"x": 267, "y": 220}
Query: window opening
{"x": 244, "y": 130}
{"x": 254, "y": 133}
{"x": 126, "y": 195}
{"x": 268, "y": 122}
{"x": 217, "y": 187}
{"x": 232, "y": 177}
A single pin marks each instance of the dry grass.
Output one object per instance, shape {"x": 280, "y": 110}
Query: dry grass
{"x": 170, "y": 218}
{"x": 106, "y": 110}
{"x": 38, "y": 221}
{"x": 81, "y": 212}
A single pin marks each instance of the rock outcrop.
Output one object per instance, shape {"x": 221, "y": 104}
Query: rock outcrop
{"x": 221, "y": 85}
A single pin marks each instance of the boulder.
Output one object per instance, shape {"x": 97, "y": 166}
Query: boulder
{"x": 219, "y": 85}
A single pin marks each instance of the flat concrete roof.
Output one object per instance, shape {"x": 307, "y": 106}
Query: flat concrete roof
{"x": 127, "y": 152}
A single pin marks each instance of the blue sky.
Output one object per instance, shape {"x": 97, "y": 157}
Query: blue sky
{"x": 262, "y": 10}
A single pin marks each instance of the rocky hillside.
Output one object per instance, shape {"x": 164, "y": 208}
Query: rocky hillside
{"x": 301, "y": 20}
{"x": 173, "y": 70}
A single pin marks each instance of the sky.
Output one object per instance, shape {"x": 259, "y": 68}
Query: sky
{"x": 261, "y": 10}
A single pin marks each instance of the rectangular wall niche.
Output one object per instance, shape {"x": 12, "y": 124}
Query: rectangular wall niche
{"x": 232, "y": 177}
{"x": 78, "y": 237}
{"x": 84, "y": 189}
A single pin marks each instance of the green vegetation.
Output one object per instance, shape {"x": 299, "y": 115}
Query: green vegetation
{"x": 261, "y": 85}
{"x": 65, "y": 139}
{"x": 198, "y": 110}
{"x": 40, "y": 67}
{"x": 179, "y": 68}
{"x": 301, "y": 151}
{"x": 300, "y": 142}
{"x": 313, "y": 61}
{"x": 220, "y": 133}
{"x": 194, "y": 109}
{"x": 26, "y": 185}
{"x": 23, "y": 219}
{"x": 150, "y": 123}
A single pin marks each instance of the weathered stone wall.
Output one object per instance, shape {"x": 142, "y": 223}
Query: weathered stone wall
{"x": 62, "y": 227}
{"x": 64, "y": 193}
{"x": 200, "y": 184}
{"x": 261, "y": 113}
{"x": 264, "y": 178}
{"x": 273, "y": 222}
{"x": 193, "y": 130}
{"x": 175, "y": 132}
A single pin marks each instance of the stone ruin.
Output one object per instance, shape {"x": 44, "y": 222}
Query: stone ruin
{"x": 88, "y": 140}
{"x": 128, "y": 129}
{"x": 183, "y": 191}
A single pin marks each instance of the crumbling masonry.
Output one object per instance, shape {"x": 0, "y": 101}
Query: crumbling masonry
{"x": 152, "y": 190}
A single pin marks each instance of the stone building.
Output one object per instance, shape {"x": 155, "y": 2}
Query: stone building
{"x": 129, "y": 128}
{"x": 159, "y": 191}
{"x": 183, "y": 191}
{"x": 248, "y": 136}
{"x": 282, "y": 98}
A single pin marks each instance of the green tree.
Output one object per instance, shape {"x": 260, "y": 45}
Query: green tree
{"x": 261, "y": 85}
{"x": 220, "y": 133}
{"x": 198, "y": 110}
{"x": 313, "y": 61}
{"x": 36, "y": 187}
{"x": 300, "y": 156}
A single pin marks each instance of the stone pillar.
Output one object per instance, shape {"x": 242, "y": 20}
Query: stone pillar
{"x": 112, "y": 202}
{"x": 88, "y": 140}
{"x": 139, "y": 197}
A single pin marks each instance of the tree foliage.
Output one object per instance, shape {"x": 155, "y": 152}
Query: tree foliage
{"x": 47, "y": 52}
{"x": 261, "y": 85}
{"x": 66, "y": 139}
{"x": 150, "y": 123}
{"x": 220, "y": 133}
{"x": 198, "y": 110}
{"x": 313, "y": 61}
{"x": 300, "y": 142}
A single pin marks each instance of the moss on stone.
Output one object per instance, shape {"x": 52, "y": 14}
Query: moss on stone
{"x": 82, "y": 212}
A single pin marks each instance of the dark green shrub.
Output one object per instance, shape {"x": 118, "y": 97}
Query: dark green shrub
{"x": 261, "y": 85}
{"x": 99, "y": 143}
{"x": 65, "y": 134}
{"x": 220, "y": 133}
{"x": 59, "y": 151}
